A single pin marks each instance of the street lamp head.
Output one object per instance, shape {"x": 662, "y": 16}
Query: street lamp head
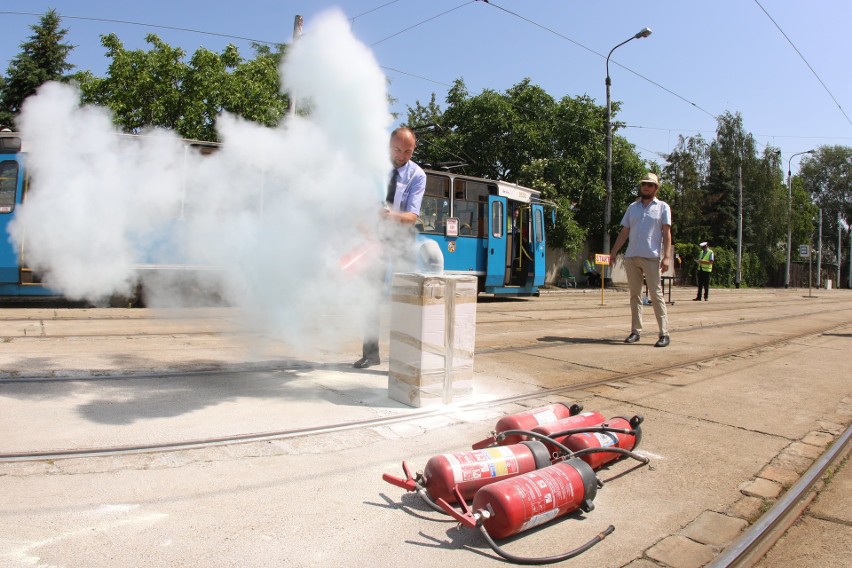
{"x": 644, "y": 33}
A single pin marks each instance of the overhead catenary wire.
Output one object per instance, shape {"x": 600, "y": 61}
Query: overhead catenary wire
{"x": 420, "y": 77}
{"x": 436, "y": 16}
{"x": 143, "y": 24}
{"x": 818, "y": 78}
{"x": 602, "y": 56}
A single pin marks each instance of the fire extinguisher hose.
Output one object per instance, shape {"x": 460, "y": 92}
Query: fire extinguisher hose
{"x": 590, "y": 429}
{"x": 622, "y": 451}
{"x": 547, "y": 559}
{"x": 537, "y": 436}
{"x": 428, "y": 500}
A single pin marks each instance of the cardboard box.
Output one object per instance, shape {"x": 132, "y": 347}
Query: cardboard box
{"x": 432, "y": 337}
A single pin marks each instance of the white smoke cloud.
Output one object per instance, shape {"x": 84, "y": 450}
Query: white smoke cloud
{"x": 269, "y": 215}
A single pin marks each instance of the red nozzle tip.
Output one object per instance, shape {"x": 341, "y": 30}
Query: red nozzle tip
{"x": 407, "y": 484}
{"x": 490, "y": 441}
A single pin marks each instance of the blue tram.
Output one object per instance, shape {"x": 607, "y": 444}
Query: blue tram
{"x": 491, "y": 229}
{"x": 15, "y": 278}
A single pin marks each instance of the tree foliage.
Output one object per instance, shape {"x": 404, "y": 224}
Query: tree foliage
{"x": 43, "y": 58}
{"x": 522, "y": 135}
{"x": 159, "y": 88}
{"x": 826, "y": 177}
{"x": 526, "y": 136}
{"x": 714, "y": 182}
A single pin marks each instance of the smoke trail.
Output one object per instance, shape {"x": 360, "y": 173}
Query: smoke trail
{"x": 269, "y": 215}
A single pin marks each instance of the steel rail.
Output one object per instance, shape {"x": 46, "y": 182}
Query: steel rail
{"x": 754, "y": 543}
{"x": 373, "y": 422}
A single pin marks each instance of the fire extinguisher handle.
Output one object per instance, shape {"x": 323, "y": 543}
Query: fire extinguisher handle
{"x": 409, "y": 483}
{"x": 489, "y": 441}
{"x": 467, "y": 519}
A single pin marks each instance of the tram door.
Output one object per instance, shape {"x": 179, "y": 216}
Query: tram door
{"x": 495, "y": 265}
{"x": 10, "y": 195}
{"x": 538, "y": 244}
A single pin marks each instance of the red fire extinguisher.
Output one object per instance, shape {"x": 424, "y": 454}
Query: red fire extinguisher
{"x": 605, "y": 443}
{"x": 576, "y": 422}
{"x": 528, "y": 420}
{"x": 466, "y": 472}
{"x": 514, "y": 505}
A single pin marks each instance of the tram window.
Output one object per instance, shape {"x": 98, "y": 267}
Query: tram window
{"x": 497, "y": 219}
{"x": 470, "y": 207}
{"x": 539, "y": 226}
{"x": 8, "y": 185}
{"x": 435, "y": 207}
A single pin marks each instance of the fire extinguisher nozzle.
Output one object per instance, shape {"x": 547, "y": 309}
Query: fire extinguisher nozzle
{"x": 490, "y": 441}
{"x": 407, "y": 484}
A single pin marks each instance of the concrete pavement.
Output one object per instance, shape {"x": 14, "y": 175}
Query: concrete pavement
{"x": 725, "y": 437}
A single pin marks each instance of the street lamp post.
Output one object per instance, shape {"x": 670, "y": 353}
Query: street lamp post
{"x": 790, "y": 214}
{"x": 645, "y": 32}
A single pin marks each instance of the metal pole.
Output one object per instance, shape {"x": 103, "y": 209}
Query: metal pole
{"x": 789, "y": 223}
{"x": 645, "y": 32}
{"x": 819, "y": 251}
{"x": 739, "y": 226}
{"x": 297, "y": 33}
{"x": 810, "y": 267}
{"x": 608, "y": 207}
{"x": 790, "y": 214}
{"x": 838, "y": 252}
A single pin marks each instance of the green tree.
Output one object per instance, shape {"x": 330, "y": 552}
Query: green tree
{"x": 43, "y": 58}
{"x": 735, "y": 166}
{"x": 158, "y": 88}
{"x": 827, "y": 177}
{"x": 686, "y": 170}
{"x": 526, "y": 136}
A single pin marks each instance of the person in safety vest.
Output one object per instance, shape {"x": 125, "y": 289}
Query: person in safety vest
{"x": 705, "y": 267}
{"x": 590, "y": 272}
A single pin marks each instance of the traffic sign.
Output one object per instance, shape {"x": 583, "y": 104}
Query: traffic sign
{"x": 804, "y": 250}
{"x": 602, "y": 259}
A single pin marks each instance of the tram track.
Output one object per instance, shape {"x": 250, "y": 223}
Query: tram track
{"x": 760, "y": 537}
{"x": 614, "y": 376}
{"x": 483, "y": 324}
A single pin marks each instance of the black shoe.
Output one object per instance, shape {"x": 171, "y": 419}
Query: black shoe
{"x": 632, "y": 338}
{"x": 662, "y": 342}
{"x": 696, "y": 299}
{"x": 705, "y": 299}
{"x": 365, "y": 362}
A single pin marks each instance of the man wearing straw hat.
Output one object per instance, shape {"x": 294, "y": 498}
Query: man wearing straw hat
{"x": 648, "y": 225}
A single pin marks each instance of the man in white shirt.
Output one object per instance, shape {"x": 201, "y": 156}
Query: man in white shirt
{"x": 648, "y": 225}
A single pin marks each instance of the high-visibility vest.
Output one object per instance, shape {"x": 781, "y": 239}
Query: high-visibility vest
{"x": 706, "y": 255}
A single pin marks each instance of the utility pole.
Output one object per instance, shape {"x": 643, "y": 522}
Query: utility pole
{"x": 819, "y": 251}
{"x": 644, "y": 32}
{"x": 839, "y": 235}
{"x": 790, "y": 215}
{"x": 297, "y": 33}
{"x": 739, "y": 224}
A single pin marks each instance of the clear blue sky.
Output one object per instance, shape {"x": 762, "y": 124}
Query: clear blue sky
{"x": 703, "y": 58}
